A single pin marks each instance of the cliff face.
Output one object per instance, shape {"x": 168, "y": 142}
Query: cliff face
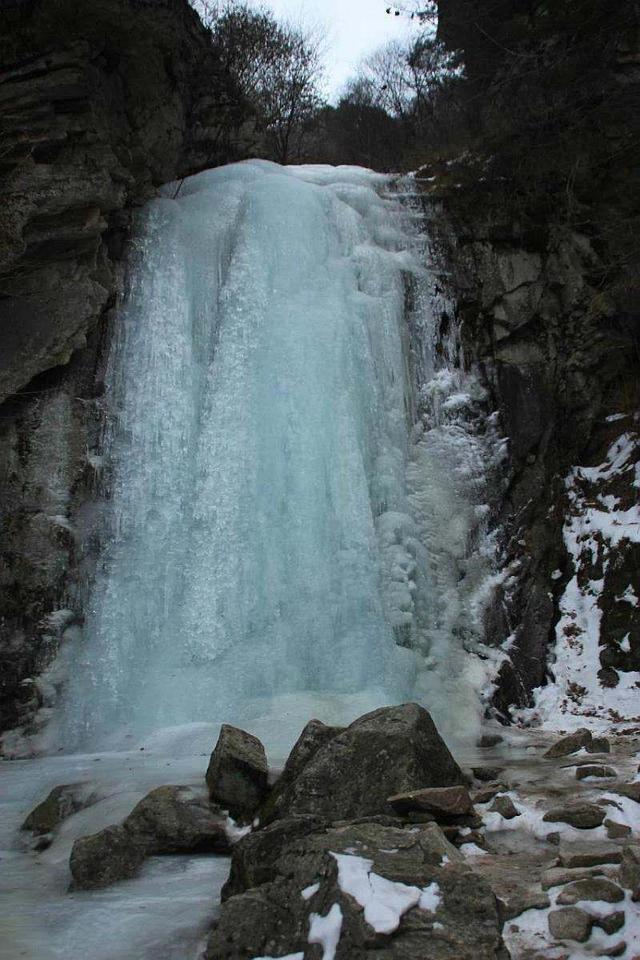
{"x": 99, "y": 103}
{"x": 540, "y": 224}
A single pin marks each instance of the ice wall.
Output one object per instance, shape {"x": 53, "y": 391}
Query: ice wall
{"x": 273, "y": 516}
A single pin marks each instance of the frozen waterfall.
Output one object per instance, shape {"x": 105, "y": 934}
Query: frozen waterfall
{"x": 264, "y": 554}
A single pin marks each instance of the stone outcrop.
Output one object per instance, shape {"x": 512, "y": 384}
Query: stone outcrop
{"x": 100, "y": 102}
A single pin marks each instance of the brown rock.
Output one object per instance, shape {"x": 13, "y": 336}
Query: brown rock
{"x": 615, "y": 830}
{"x": 486, "y": 774}
{"x": 631, "y": 790}
{"x": 598, "y": 745}
{"x": 484, "y": 794}
{"x": 594, "y": 770}
{"x": 569, "y": 744}
{"x": 630, "y": 868}
{"x": 612, "y": 922}
{"x": 505, "y": 807}
{"x": 450, "y": 801}
{"x": 61, "y": 803}
{"x": 616, "y": 951}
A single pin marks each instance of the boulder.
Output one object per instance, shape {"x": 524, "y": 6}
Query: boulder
{"x": 314, "y": 736}
{"x": 593, "y": 888}
{"x": 108, "y": 856}
{"x": 486, "y": 774}
{"x": 557, "y": 876}
{"x": 570, "y": 744}
{"x": 237, "y": 773}
{"x": 173, "y": 819}
{"x": 439, "y": 801}
{"x": 170, "y": 819}
{"x": 521, "y": 901}
{"x": 598, "y": 745}
{"x": 570, "y": 923}
{"x": 60, "y": 803}
{"x": 505, "y": 806}
{"x": 366, "y": 888}
{"x": 389, "y": 751}
{"x": 582, "y": 816}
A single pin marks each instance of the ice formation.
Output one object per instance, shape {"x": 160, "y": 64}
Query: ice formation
{"x": 293, "y": 519}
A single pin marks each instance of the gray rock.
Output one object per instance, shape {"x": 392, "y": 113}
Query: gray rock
{"x": 172, "y": 819}
{"x": 505, "y": 807}
{"x": 488, "y": 740}
{"x": 62, "y": 802}
{"x": 594, "y": 770}
{"x": 169, "y": 819}
{"x": 570, "y": 924}
{"x": 588, "y": 855}
{"x": 612, "y": 922}
{"x": 594, "y": 888}
{"x": 391, "y": 750}
{"x": 108, "y": 856}
{"x": 237, "y": 776}
{"x": 447, "y": 801}
{"x": 270, "y": 917}
{"x": 615, "y": 951}
{"x": 583, "y": 816}
{"x": 314, "y": 736}
{"x": 598, "y": 745}
{"x": 569, "y": 744}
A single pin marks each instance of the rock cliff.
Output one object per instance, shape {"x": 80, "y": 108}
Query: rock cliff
{"x": 99, "y": 104}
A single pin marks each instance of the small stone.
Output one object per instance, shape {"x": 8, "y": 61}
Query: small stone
{"x": 484, "y": 794}
{"x": 505, "y": 807}
{"x": 569, "y": 744}
{"x": 631, "y": 790}
{"x": 553, "y": 838}
{"x": 616, "y": 831}
{"x": 237, "y": 772}
{"x": 486, "y": 774}
{"x": 616, "y": 951}
{"x": 420, "y": 816}
{"x": 582, "y": 816}
{"x": 594, "y": 770}
{"x": 490, "y": 740}
{"x": 595, "y": 888}
{"x": 450, "y": 801}
{"x": 570, "y": 924}
{"x": 588, "y": 855}
{"x": 598, "y": 745}
{"x": 612, "y": 922}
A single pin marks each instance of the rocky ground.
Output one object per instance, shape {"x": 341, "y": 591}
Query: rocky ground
{"x": 373, "y": 840}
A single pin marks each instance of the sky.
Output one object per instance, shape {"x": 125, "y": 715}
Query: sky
{"x": 351, "y": 28}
